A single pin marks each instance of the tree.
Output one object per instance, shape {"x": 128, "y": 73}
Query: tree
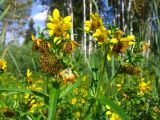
{"x": 16, "y": 17}
{"x": 31, "y": 31}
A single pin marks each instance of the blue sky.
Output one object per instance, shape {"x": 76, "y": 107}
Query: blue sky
{"x": 39, "y": 14}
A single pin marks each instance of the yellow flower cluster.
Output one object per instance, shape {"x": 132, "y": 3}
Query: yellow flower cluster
{"x": 3, "y": 64}
{"x": 112, "y": 115}
{"x": 95, "y": 25}
{"x": 32, "y": 103}
{"x": 59, "y": 26}
{"x": 144, "y": 87}
{"x": 119, "y": 43}
{"x": 117, "y": 40}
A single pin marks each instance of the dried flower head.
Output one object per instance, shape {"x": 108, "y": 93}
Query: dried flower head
{"x": 49, "y": 63}
{"x": 67, "y": 75}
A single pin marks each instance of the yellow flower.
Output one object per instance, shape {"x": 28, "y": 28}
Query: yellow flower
{"x": 119, "y": 86}
{"x": 29, "y": 76}
{"x": 130, "y": 37}
{"x": 69, "y": 46}
{"x": 35, "y": 87}
{"x": 59, "y": 26}
{"x": 114, "y": 116}
{"x": 94, "y": 23}
{"x": 78, "y": 114}
{"x": 144, "y": 87}
{"x": 84, "y": 92}
{"x": 108, "y": 107}
{"x": 82, "y": 100}
{"x": 118, "y": 34}
{"x": 3, "y": 64}
{"x": 108, "y": 112}
{"x": 101, "y": 35}
{"x": 74, "y": 101}
{"x": 119, "y": 43}
{"x": 29, "y": 73}
{"x": 145, "y": 46}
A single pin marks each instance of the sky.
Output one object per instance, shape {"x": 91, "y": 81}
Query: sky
{"x": 39, "y": 14}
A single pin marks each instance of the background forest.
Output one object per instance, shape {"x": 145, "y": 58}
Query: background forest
{"x": 122, "y": 94}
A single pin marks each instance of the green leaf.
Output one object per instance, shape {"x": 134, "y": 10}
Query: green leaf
{"x": 15, "y": 62}
{"x": 5, "y": 12}
{"x": 25, "y": 91}
{"x": 69, "y": 89}
{"x": 115, "y": 108}
{"x": 139, "y": 58}
{"x": 53, "y": 98}
{"x": 95, "y": 4}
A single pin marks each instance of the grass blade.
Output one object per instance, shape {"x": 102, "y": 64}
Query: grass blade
{"x": 14, "y": 61}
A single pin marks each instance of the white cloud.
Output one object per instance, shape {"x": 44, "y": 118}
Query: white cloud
{"x": 42, "y": 16}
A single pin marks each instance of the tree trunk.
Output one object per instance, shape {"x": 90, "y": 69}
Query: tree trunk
{"x": 84, "y": 45}
{"x": 90, "y": 37}
{"x": 69, "y": 7}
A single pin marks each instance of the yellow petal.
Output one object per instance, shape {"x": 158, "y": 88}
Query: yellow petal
{"x": 29, "y": 73}
{"x": 108, "y": 107}
{"x": 67, "y": 26}
{"x": 56, "y": 13}
{"x": 57, "y": 40}
{"x": 123, "y": 39}
{"x": 51, "y": 26}
{"x": 97, "y": 33}
{"x": 108, "y": 32}
{"x": 50, "y": 32}
{"x": 66, "y": 35}
{"x": 50, "y": 18}
{"x": 88, "y": 23}
{"x": 33, "y": 37}
{"x": 131, "y": 37}
{"x": 87, "y": 29}
{"x": 132, "y": 43}
{"x": 67, "y": 19}
{"x": 114, "y": 41}
{"x": 108, "y": 113}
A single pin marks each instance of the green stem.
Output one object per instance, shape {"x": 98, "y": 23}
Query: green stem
{"x": 54, "y": 94}
{"x": 102, "y": 72}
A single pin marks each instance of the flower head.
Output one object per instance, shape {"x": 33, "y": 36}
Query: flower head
{"x": 29, "y": 73}
{"x": 114, "y": 116}
{"x": 29, "y": 76}
{"x": 59, "y": 26}
{"x": 119, "y": 43}
{"x": 101, "y": 34}
{"x": 74, "y": 101}
{"x": 94, "y": 23}
{"x": 3, "y": 64}
{"x": 67, "y": 75}
{"x": 69, "y": 46}
{"x": 144, "y": 87}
